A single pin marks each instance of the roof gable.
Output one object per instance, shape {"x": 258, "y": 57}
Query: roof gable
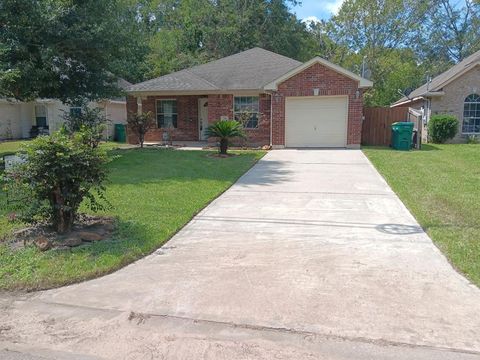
{"x": 444, "y": 78}
{"x": 363, "y": 83}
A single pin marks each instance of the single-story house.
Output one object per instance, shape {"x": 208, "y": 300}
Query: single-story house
{"x": 23, "y": 120}
{"x": 455, "y": 92}
{"x": 288, "y": 103}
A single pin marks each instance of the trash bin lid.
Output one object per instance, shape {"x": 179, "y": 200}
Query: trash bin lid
{"x": 404, "y": 124}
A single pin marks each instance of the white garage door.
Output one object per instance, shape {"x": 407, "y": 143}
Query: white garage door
{"x": 316, "y": 121}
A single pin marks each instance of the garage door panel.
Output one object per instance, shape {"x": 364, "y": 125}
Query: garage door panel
{"x": 316, "y": 122}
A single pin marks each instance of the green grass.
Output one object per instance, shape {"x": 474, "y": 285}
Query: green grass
{"x": 10, "y": 147}
{"x": 441, "y": 186}
{"x": 154, "y": 193}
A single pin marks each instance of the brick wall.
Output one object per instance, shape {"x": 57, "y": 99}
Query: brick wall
{"x": 329, "y": 83}
{"x": 454, "y": 99}
{"x": 187, "y": 119}
{"x": 222, "y": 105}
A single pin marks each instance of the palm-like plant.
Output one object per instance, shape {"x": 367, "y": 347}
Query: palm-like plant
{"x": 225, "y": 130}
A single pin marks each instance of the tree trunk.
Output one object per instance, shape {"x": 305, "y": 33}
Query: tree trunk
{"x": 141, "y": 140}
{"x": 63, "y": 222}
{"x": 63, "y": 217}
{"x": 223, "y": 146}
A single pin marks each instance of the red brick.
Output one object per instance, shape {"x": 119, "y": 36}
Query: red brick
{"x": 317, "y": 76}
{"x": 329, "y": 83}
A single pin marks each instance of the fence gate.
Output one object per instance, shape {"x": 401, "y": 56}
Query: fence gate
{"x": 376, "y": 127}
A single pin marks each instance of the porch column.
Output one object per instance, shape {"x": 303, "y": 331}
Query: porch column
{"x": 139, "y": 105}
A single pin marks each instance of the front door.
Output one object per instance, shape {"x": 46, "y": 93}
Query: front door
{"x": 203, "y": 118}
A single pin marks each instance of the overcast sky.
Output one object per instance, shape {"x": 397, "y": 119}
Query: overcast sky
{"x": 317, "y": 9}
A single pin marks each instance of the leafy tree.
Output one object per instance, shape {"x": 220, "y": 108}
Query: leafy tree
{"x": 225, "y": 131}
{"x": 59, "y": 173}
{"x": 65, "y": 49}
{"x": 89, "y": 123}
{"x": 191, "y": 32}
{"x": 140, "y": 124}
{"x": 376, "y": 35}
{"x": 454, "y": 29}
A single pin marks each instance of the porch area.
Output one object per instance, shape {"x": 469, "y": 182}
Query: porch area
{"x": 184, "y": 119}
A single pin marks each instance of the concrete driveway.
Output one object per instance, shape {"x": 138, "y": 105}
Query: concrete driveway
{"x": 309, "y": 255}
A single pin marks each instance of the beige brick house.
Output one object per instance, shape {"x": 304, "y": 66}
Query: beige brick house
{"x": 455, "y": 92}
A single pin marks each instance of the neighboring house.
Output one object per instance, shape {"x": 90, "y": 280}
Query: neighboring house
{"x": 455, "y": 92}
{"x": 290, "y": 103}
{"x": 22, "y": 120}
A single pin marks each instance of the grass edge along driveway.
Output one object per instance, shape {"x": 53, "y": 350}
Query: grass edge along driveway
{"x": 440, "y": 186}
{"x": 154, "y": 193}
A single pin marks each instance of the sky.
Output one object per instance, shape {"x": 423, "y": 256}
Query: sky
{"x": 317, "y": 9}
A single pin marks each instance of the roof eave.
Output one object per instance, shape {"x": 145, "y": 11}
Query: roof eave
{"x": 424, "y": 96}
{"x": 193, "y": 92}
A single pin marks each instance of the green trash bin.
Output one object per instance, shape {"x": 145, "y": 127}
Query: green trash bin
{"x": 402, "y": 134}
{"x": 120, "y": 133}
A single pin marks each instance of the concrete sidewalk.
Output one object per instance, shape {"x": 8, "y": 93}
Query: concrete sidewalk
{"x": 309, "y": 255}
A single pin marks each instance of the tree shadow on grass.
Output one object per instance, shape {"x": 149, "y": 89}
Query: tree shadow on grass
{"x": 430, "y": 147}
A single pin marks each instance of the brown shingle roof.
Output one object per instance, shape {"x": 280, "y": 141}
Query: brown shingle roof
{"x": 248, "y": 70}
{"x": 438, "y": 82}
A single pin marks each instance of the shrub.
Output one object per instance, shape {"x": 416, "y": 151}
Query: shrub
{"x": 90, "y": 123}
{"x": 225, "y": 130}
{"x": 442, "y": 128}
{"x": 473, "y": 139}
{"x": 140, "y": 124}
{"x": 59, "y": 173}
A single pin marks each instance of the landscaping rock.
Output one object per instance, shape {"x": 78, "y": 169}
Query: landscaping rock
{"x": 89, "y": 236}
{"x": 72, "y": 241}
{"x": 42, "y": 243}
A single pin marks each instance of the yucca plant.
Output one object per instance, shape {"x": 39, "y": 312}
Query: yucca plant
{"x": 225, "y": 130}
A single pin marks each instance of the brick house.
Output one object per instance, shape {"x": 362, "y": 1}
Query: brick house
{"x": 455, "y": 92}
{"x": 288, "y": 103}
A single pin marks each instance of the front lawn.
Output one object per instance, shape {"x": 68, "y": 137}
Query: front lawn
{"x": 154, "y": 193}
{"x": 10, "y": 147}
{"x": 441, "y": 187}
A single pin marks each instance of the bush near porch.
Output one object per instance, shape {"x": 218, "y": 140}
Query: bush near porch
{"x": 440, "y": 186}
{"x": 154, "y": 193}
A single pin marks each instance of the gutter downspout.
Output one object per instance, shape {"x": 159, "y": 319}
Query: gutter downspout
{"x": 271, "y": 118}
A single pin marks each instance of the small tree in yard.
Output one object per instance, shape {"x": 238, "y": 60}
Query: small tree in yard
{"x": 442, "y": 128}
{"x": 140, "y": 124}
{"x": 59, "y": 173}
{"x": 224, "y": 131}
{"x": 89, "y": 122}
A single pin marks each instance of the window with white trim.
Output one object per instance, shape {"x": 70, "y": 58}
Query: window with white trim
{"x": 471, "y": 114}
{"x": 167, "y": 113}
{"x": 246, "y": 111}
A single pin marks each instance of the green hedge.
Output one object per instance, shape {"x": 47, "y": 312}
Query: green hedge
{"x": 442, "y": 128}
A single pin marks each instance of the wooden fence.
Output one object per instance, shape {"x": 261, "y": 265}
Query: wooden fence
{"x": 376, "y": 128}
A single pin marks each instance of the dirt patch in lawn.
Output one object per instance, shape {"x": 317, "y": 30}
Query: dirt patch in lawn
{"x": 87, "y": 229}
